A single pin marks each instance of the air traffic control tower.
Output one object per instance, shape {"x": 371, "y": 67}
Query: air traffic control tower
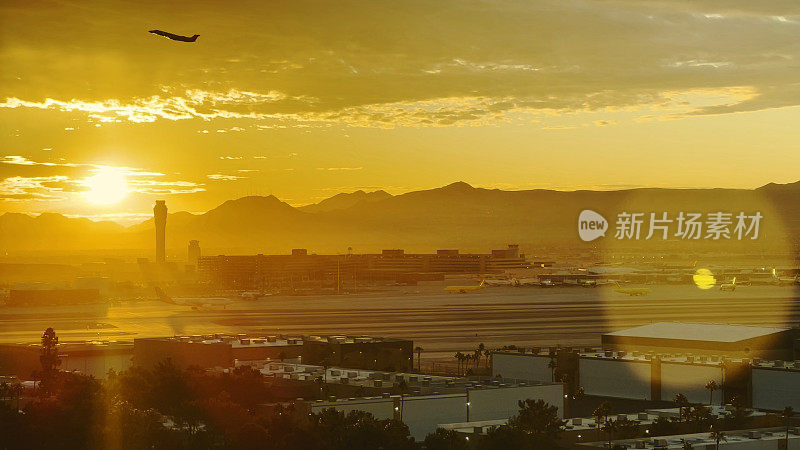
{"x": 160, "y": 218}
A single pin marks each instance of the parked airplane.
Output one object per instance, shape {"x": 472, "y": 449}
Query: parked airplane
{"x": 783, "y": 281}
{"x": 631, "y": 291}
{"x": 465, "y": 289}
{"x": 194, "y": 302}
{"x": 728, "y": 286}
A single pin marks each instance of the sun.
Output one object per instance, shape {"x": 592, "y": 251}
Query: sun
{"x": 704, "y": 279}
{"x": 106, "y": 187}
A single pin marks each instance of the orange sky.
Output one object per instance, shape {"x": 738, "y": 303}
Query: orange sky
{"x": 307, "y": 99}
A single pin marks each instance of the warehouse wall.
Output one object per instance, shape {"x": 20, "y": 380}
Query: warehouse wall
{"x": 521, "y": 367}
{"x": 381, "y": 408}
{"x": 774, "y": 389}
{"x": 424, "y": 413}
{"x": 96, "y": 365}
{"x": 500, "y": 403}
{"x": 689, "y": 380}
{"x": 615, "y": 378}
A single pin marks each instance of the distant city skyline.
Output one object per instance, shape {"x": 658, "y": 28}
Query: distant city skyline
{"x": 305, "y": 100}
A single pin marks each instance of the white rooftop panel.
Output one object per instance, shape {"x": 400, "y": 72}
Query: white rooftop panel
{"x": 697, "y": 331}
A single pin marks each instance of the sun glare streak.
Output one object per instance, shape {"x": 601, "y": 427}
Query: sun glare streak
{"x": 107, "y": 186}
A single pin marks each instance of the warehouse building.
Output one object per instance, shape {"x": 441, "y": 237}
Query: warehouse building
{"x": 304, "y": 270}
{"x": 432, "y": 400}
{"x": 219, "y": 350}
{"x": 93, "y": 358}
{"x": 705, "y": 338}
{"x": 761, "y": 384}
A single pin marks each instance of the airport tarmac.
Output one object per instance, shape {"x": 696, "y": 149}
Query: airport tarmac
{"x": 439, "y": 322}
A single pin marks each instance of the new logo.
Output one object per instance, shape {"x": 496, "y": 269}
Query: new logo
{"x": 591, "y": 225}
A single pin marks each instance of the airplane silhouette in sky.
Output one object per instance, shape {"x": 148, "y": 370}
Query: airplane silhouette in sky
{"x": 175, "y": 37}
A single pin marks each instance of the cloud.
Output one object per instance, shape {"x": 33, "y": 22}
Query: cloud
{"x": 70, "y": 178}
{"x": 230, "y": 157}
{"x": 221, "y": 177}
{"x": 33, "y": 188}
{"x": 432, "y": 64}
{"x": 340, "y": 168}
{"x": 18, "y": 160}
{"x": 603, "y": 123}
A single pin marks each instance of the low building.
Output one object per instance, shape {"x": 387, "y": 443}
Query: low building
{"x": 302, "y": 270}
{"x": 93, "y": 358}
{"x": 776, "y": 384}
{"x": 752, "y": 439}
{"x": 705, "y": 338}
{"x": 762, "y": 384}
{"x": 220, "y": 350}
{"x": 430, "y": 400}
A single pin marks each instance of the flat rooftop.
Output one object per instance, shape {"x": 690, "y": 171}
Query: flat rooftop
{"x": 251, "y": 340}
{"x": 418, "y": 384}
{"x": 750, "y": 438}
{"x": 646, "y": 417}
{"x": 697, "y": 331}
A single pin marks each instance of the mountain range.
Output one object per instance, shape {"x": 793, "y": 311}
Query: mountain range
{"x": 454, "y": 216}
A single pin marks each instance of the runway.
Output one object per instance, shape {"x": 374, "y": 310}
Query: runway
{"x": 441, "y": 323}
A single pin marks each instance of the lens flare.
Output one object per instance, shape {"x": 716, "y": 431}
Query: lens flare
{"x": 704, "y": 279}
{"x": 107, "y": 186}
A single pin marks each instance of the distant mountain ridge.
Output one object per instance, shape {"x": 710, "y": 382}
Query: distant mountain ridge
{"x": 346, "y": 200}
{"x": 453, "y": 216}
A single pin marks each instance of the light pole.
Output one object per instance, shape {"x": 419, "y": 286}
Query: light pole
{"x": 468, "y": 404}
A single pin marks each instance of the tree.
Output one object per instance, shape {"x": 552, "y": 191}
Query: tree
{"x": 682, "y": 403}
{"x": 663, "y": 426}
{"x": 717, "y": 436}
{"x": 787, "y": 414}
{"x": 419, "y": 361}
{"x": 739, "y": 415}
{"x": 460, "y": 359}
{"x": 400, "y": 387}
{"x": 711, "y": 386}
{"x": 610, "y": 427}
{"x": 552, "y": 365}
{"x": 477, "y": 354}
{"x": 600, "y": 414}
{"x": 48, "y": 357}
{"x": 538, "y": 418}
{"x": 700, "y": 416}
{"x": 442, "y": 439}
{"x": 505, "y": 438}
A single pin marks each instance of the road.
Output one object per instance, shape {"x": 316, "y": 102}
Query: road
{"x": 439, "y": 322}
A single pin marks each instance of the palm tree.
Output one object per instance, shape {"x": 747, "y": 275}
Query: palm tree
{"x": 460, "y": 358}
{"x": 787, "y": 414}
{"x": 552, "y": 365}
{"x": 419, "y": 361}
{"x": 717, "y": 435}
{"x": 682, "y": 403}
{"x": 457, "y": 356}
{"x": 711, "y": 386}
{"x": 467, "y": 358}
{"x": 487, "y": 353}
